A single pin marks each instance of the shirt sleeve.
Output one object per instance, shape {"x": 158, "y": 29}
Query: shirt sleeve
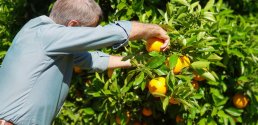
{"x": 58, "y": 39}
{"x": 95, "y": 61}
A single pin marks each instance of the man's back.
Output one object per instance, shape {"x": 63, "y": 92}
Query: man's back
{"x": 30, "y": 81}
{"x": 37, "y": 69}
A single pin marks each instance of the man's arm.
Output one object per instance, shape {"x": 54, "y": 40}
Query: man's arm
{"x": 116, "y": 62}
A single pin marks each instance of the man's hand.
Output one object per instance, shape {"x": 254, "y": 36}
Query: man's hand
{"x": 146, "y": 31}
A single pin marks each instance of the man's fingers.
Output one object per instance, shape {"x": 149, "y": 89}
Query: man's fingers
{"x": 165, "y": 44}
{"x": 166, "y": 48}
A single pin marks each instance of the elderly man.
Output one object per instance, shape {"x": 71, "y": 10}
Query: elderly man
{"x": 37, "y": 69}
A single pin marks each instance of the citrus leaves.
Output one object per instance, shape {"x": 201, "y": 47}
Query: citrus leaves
{"x": 156, "y": 61}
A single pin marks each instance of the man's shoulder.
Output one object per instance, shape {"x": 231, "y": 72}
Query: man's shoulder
{"x": 39, "y": 21}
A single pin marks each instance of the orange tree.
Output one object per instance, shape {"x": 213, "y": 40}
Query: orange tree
{"x": 210, "y": 41}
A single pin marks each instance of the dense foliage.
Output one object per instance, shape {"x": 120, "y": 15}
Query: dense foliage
{"x": 222, "y": 47}
{"x": 219, "y": 37}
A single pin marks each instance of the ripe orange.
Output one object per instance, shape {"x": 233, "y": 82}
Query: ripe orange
{"x": 195, "y": 84}
{"x": 154, "y": 44}
{"x": 128, "y": 116}
{"x": 182, "y": 62}
{"x": 146, "y": 111}
{"x": 240, "y": 100}
{"x": 157, "y": 86}
{"x": 198, "y": 77}
{"x": 77, "y": 70}
{"x": 136, "y": 123}
{"x": 144, "y": 123}
{"x": 173, "y": 101}
{"x": 179, "y": 119}
{"x": 110, "y": 72}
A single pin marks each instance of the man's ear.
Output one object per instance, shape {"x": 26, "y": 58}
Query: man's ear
{"x": 73, "y": 23}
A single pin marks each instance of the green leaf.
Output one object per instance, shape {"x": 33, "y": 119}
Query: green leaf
{"x": 209, "y": 16}
{"x": 182, "y": 15}
{"x": 195, "y": 31}
{"x": 200, "y": 35}
{"x": 95, "y": 94}
{"x": 172, "y": 61}
{"x": 214, "y": 111}
{"x": 156, "y": 61}
{"x": 165, "y": 103}
{"x": 200, "y": 64}
{"x": 98, "y": 77}
{"x": 209, "y": 5}
{"x": 222, "y": 114}
{"x": 166, "y": 17}
{"x": 203, "y": 121}
{"x": 161, "y": 12}
{"x": 207, "y": 49}
{"x": 106, "y": 92}
{"x": 234, "y": 111}
{"x": 121, "y": 6}
{"x": 219, "y": 4}
{"x": 236, "y": 52}
{"x": 160, "y": 72}
{"x": 154, "y": 54}
{"x": 193, "y": 6}
{"x": 191, "y": 40}
{"x": 100, "y": 116}
{"x": 139, "y": 78}
{"x": 89, "y": 111}
{"x": 207, "y": 75}
{"x": 229, "y": 40}
{"x": 143, "y": 85}
{"x": 243, "y": 79}
{"x": 204, "y": 108}
{"x": 169, "y": 8}
{"x": 219, "y": 100}
{"x": 129, "y": 77}
{"x": 184, "y": 2}
{"x": 2, "y": 53}
{"x": 126, "y": 88}
{"x": 214, "y": 57}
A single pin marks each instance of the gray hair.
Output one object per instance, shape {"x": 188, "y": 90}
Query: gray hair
{"x": 87, "y": 12}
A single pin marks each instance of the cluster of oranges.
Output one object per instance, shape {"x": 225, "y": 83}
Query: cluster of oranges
{"x": 157, "y": 86}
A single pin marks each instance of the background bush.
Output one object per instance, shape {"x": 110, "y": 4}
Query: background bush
{"x": 219, "y": 37}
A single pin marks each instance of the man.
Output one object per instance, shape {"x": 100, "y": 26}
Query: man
{"x": 37, "y": 69}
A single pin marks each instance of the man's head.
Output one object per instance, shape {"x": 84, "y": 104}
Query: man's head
{"x": 76, "y": 12}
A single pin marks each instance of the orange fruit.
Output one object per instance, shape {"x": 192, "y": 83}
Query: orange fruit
{"x": 144, "y": 123}
{"x": 198, "y": 77}
{"x": 173, "y": 101}
{"x": 240, "y": 100}
{"x": 154, "y": 44}
{"x": 146, "y": 111}
{"x": 110, "y": 72}
{"x": 195, "y": 84}
{"x": 157, "y": 86}
{"x": 118, "y": 120}
{"x": 179, "y": 119}
{"x": 136, "y": 123}
{"x": 77, "y": 70}
{"x": 182, "y": 62}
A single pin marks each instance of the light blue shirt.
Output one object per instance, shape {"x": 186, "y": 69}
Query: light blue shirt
{"x": 37, "y": 69}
